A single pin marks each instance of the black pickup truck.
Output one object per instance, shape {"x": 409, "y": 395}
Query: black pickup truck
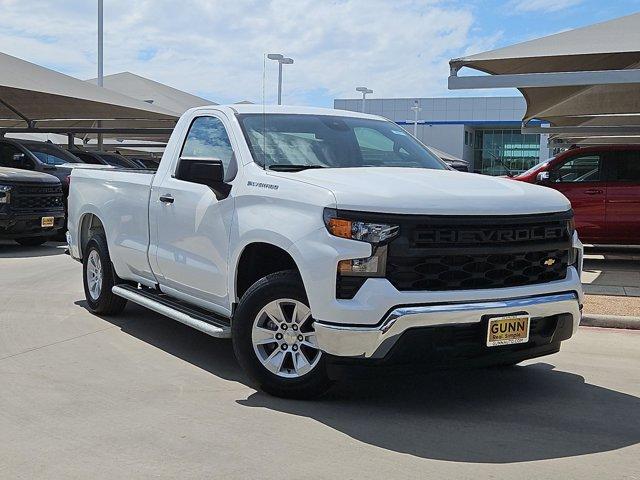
{"x": 31, "y": 206}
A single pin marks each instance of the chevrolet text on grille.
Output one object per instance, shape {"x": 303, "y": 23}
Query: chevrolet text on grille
{"x": 486, "y": 236}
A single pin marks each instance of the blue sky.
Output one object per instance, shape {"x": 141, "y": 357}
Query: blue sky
{"x": 214, "y": 48}
{"x": 523, "y": 20}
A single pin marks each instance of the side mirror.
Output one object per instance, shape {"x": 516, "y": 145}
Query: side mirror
{"x": 20, "y": 161}
{"x": 205, "y": 171}
{"x": 543, "y": 177}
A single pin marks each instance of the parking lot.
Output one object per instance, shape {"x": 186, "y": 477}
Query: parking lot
{"x": 144, "y": 396}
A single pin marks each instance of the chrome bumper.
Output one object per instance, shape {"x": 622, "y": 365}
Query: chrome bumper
{"x": 375, "y": 342}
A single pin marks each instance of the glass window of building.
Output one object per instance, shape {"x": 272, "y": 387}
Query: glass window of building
{"x": 503, "y": 151}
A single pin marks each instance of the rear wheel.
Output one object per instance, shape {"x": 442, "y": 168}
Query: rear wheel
{"x": 99, "y": 278}
{"x": 32, "y": 241}
{"x": 274, "y": 339}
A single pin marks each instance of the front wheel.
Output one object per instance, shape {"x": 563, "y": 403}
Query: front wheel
{"x": 274, "y": 339}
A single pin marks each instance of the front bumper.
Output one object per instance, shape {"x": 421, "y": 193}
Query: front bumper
{"x": 375, "y": 342}
{"x": 18, "y": 225}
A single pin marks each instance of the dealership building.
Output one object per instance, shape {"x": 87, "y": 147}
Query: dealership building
{"x": 484, "y": 131}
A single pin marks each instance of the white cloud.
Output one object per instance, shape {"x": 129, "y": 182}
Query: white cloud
{"x": 524, "y": 6}
{"x": 215, "y": 47}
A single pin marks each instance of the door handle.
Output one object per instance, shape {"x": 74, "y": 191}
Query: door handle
{"x": 593, "y": 191}
{"x": 166, "y": 198}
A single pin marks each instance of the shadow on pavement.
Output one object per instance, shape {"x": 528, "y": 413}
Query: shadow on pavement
{"x": 507, "y": 415}
{"x": 13, "y": 250}
{"x": 497, "y": 415}
{"x": 214, "y": 355}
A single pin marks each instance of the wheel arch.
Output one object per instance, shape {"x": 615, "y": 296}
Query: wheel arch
{"x": 90, "y": 224}
{"x": 256, "y": 260}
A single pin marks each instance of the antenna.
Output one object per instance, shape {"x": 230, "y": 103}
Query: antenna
{"x": 264, "y": 113}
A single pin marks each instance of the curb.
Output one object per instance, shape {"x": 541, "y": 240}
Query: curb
{"x": 611, "y": 321}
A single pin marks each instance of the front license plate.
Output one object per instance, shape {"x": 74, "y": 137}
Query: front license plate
{"x": 508, "y": 330}
{"x": 46, "y": 222}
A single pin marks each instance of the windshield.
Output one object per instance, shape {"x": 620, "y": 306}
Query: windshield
{"x": 52, "y": 155}
{"x": 316, "y": 141}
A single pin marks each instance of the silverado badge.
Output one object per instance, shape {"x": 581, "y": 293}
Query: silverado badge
{"x": 549, "y": 261}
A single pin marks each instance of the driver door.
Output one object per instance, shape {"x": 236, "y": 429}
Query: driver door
{"x": 193, "y": 225}
{"x": 581, "y": 180}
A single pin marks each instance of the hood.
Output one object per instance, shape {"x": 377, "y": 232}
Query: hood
{"x": 434, "y": 192}
{"x": 15, "y": 175}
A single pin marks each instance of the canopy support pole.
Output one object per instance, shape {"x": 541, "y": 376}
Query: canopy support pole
{"x": 30, "y": 123}
{"x": 100, "y": 56}
{"x": 70, "y": 140}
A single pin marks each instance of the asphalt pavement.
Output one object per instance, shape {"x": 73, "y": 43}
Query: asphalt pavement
{"x": 141, "y": 396}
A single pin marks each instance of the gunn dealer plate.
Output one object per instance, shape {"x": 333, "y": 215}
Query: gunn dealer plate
{"x": 508, "y": 330}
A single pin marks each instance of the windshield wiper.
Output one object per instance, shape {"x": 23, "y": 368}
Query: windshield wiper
{"x": 289, "y": 167}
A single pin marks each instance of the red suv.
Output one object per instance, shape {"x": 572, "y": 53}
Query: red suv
{"x": 603, "y": 185}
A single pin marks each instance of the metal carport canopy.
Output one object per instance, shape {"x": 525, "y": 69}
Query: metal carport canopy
{"x": 35, "y": 98}
{"x": 584, "y": 81}
{"x": 152, "y": 92}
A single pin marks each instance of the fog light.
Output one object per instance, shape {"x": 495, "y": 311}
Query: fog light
{"x": 373, "y": 266}
{"x": 359, "y": 266}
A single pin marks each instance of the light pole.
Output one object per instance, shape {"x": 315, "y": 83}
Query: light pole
{"x": 100, "y": 58}
{"x": 282, "y": 60}
{"x": 416, "y": 108}
{"x": 364, "y": 91}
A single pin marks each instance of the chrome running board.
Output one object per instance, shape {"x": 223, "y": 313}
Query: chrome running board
{"x": 207, "y": 322}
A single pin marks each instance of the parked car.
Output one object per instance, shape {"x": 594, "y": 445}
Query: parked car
{"x": 96, "y": 157}
{"x": 603, "y": 185}
{"x": 31, "y": 206}
{"x": 38, "y": 156}
{"x": 42, "y": 157}
{"x": 316, "y": 238}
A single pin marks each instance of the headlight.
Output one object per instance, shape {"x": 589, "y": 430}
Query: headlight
{"x": 375, "y": 233}
{"x": 5, "y": 193}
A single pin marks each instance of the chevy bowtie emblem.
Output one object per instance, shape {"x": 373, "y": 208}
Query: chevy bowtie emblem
{"x": 549, "y": 261}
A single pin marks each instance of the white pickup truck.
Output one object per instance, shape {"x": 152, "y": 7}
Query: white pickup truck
{"x": 316, "y": 237}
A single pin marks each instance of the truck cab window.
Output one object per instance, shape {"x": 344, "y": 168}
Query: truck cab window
{"x": 207, "y": 138}
{"x": 585, "y": 168}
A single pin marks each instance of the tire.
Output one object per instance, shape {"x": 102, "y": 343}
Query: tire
{"x": 32, "y": 241}
{"x": 96, "y": 264}
{"x": 286, "y": 374}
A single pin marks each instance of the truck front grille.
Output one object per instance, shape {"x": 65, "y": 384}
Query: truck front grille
{"x": 468, "y": 272}
{"x": 37, "y": 197}
{"x": 475, "y": 252}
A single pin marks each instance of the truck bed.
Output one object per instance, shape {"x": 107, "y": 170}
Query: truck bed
{"x": 120, "y": 198}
